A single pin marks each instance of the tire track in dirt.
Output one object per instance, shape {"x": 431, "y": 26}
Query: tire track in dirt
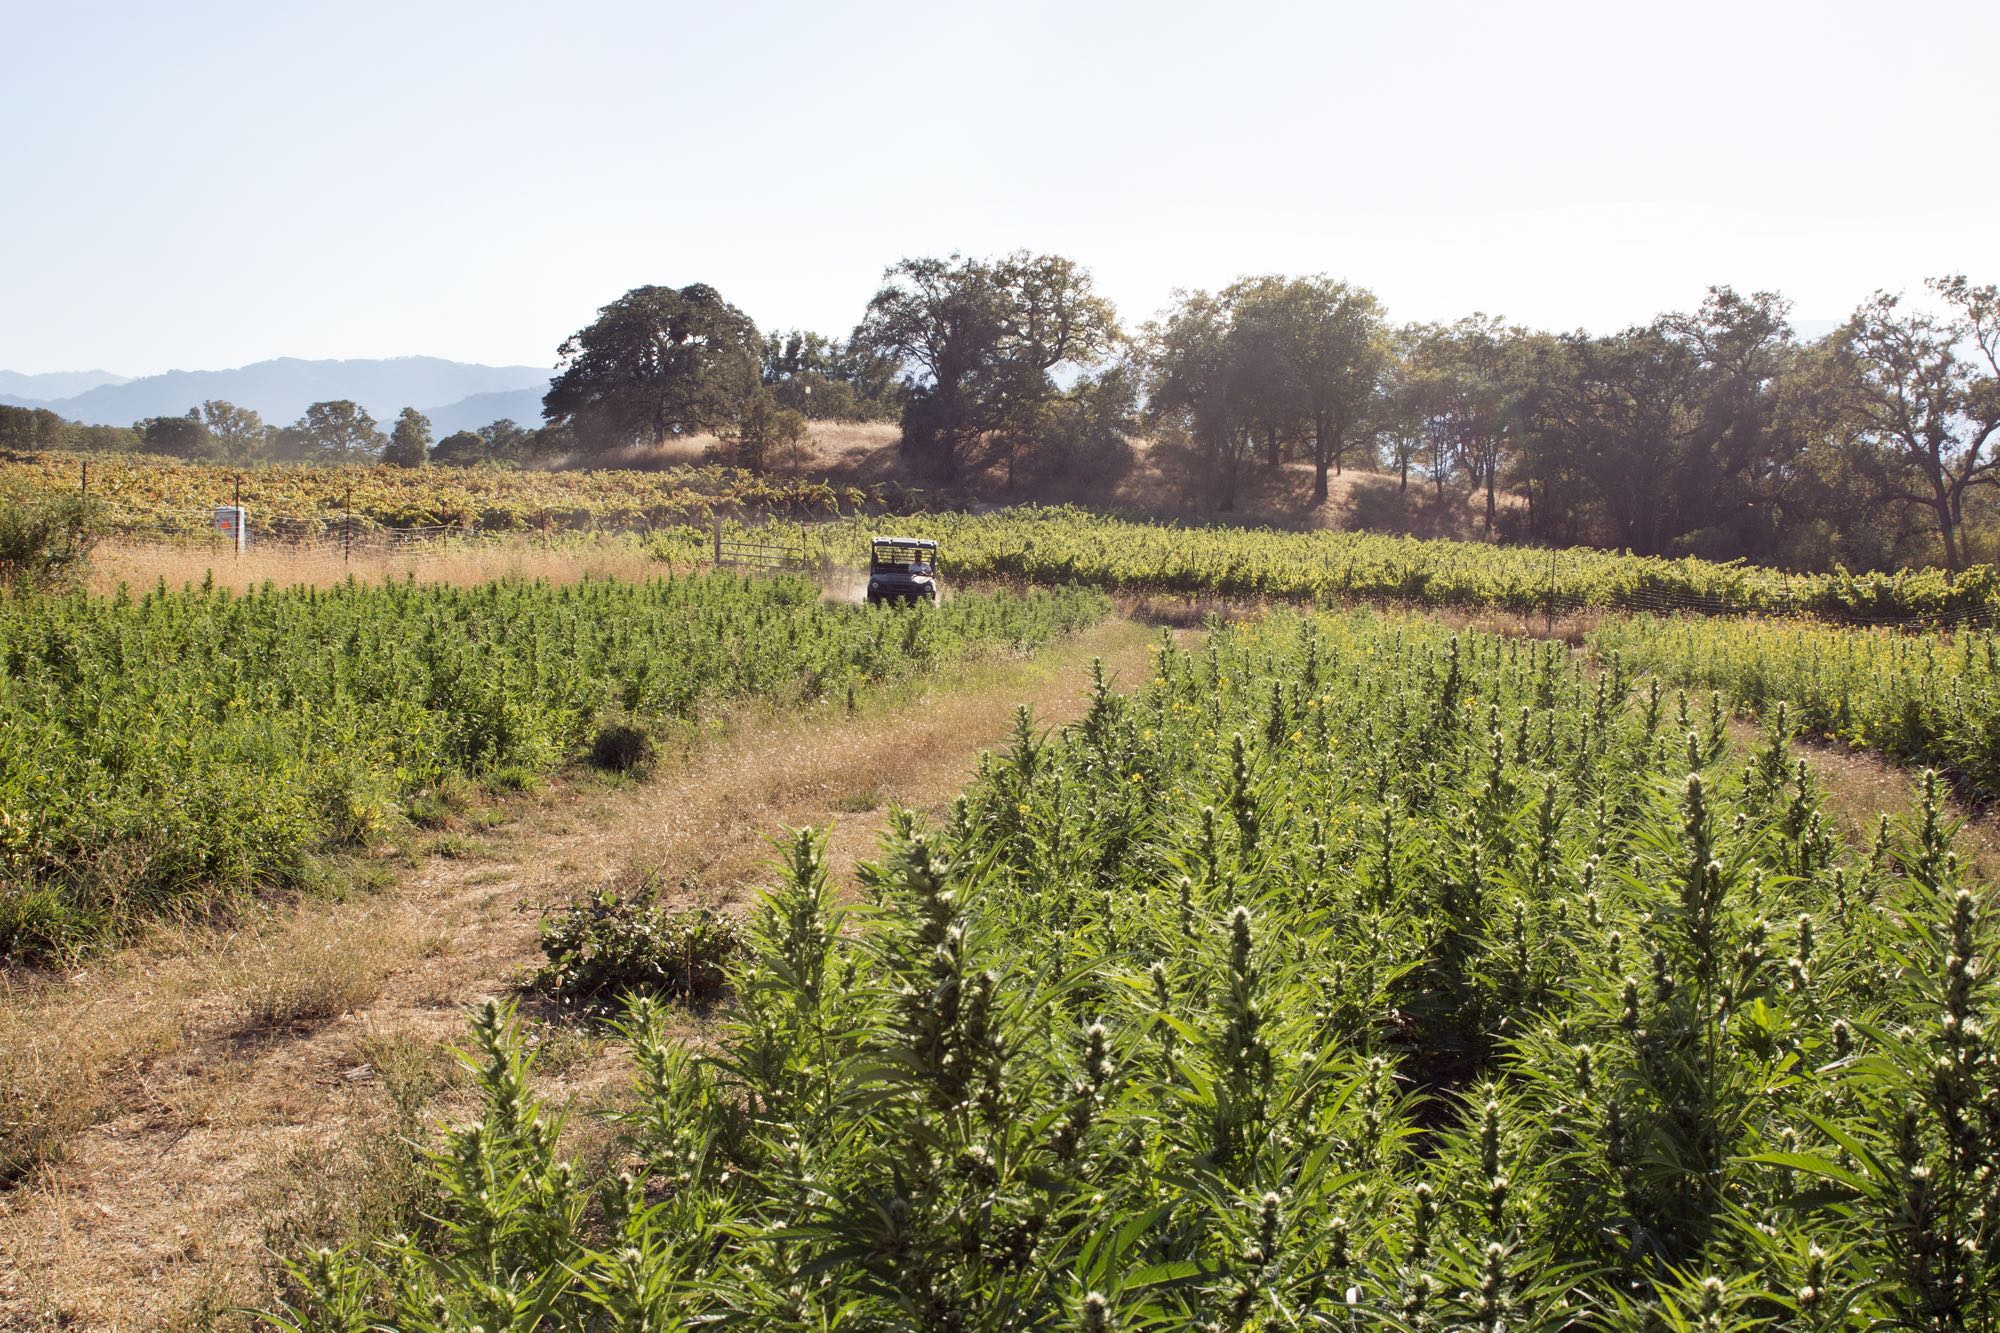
{"x": 158, "y": 1215}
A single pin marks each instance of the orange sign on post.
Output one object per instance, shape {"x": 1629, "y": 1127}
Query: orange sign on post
{"x": 233, "y": 524}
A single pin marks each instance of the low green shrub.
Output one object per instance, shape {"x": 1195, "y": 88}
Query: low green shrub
{"x": 623, "y": 746}
{"x": 615, "y": 944}
{"x": 45, "y": 541}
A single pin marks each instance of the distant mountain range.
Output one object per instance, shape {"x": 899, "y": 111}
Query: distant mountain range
{"x": 16, "y": 387}
{"x": 455, "y": 395}
{"x": 523, "y": 407}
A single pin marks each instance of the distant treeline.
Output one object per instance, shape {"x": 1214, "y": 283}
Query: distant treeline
{"x": 798, "y": 376}
{"x": 1716, "y": 433}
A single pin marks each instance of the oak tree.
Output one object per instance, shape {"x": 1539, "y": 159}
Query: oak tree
{"x": 980, "y": 340}
{"x": 655, "y": 363}
{"x": 1925, "y": 397}
{"x": 409, "y": 441}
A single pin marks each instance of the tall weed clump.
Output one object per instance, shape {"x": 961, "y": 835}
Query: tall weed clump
{"x": 45, "y": 541}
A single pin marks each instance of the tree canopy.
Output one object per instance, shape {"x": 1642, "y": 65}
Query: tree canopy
{"x": 237, "y": 433}
{"x": 655, "y": 363}
{"x": 828, "y": 379}
{"x": 1714, "y": 432}
{"x": 1273, "y": 359}
{"x": 176, "y": 437}
{"x": 1923, "y": 393}
{"x": 409, "y": 441}
{"x": 979, "y": 340}
{"x": 462, "y": 448}
{"x": 339, "y": 431}
{"x": 1329, "y": 350}
{"x": 1209, "y": 384}
{"x": 215, "y": 430}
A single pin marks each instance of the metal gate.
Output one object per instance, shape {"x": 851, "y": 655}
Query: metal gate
{"x": 739, "y": 554}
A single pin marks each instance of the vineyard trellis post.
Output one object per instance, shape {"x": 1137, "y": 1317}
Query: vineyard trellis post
{"x": 715, "y": 516}
{"x": 1549, "y": 621}
{"x": 347, "y": 526}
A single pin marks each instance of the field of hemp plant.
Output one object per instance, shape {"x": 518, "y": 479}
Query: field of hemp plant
{"x": 1347, "y": 973}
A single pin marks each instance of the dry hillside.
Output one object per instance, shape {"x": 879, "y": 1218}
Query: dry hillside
{"x": 865, "y": 454}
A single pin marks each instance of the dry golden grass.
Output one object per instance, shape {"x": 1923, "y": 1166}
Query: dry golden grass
{"x": 144, "y": 1047}
{"x": 159, "y": 1061}
{"x": 322, "y": 965}
{"x": 689, "y": 451}
{"x": 840, "y": 450}
{"x": 48, "y": 1095}
{"x": 1861, "y": 787}
{"x": 365, "y": 1179}
{"x": 1359, "y": 500}
{"x": 140, "y": 565}
{"x": 798, "y": 771}
{"x": 198, "y": 1139}
{"x": 1571, "y": 627}
{"x": 64, "y": 1041}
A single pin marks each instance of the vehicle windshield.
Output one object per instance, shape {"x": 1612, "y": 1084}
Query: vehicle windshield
{"x": 903, "y": 560}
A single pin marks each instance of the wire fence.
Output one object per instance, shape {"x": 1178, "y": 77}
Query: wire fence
{"x": 352, "y": 539}
{"x": 356, "y": 534}
{"x": 359, "y": 538}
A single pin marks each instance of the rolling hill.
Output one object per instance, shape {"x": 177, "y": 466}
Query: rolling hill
{"x": 521, "y": 406}
{"x": 26, "y": 390}
{"x": 281, "y": 389}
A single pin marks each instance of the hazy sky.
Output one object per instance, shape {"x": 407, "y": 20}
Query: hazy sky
{"x": 201, "y": 185}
